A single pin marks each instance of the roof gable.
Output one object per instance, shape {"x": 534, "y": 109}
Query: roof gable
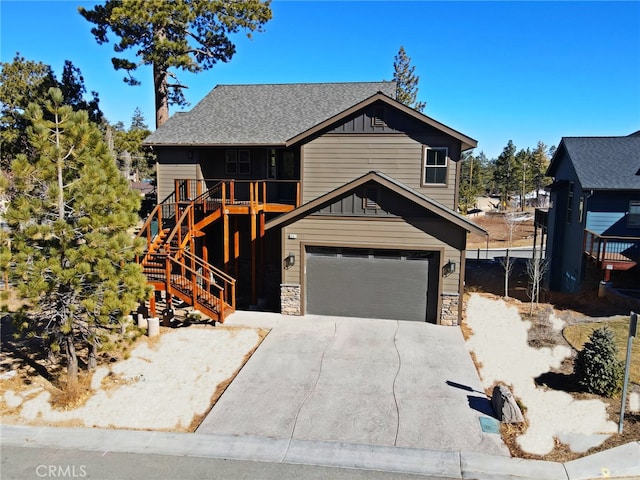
{"x": 262, "y": 114}
{"x": 467, "y": 142}
{"x": 601, "y": 163}
{"x": 384, "y": 181}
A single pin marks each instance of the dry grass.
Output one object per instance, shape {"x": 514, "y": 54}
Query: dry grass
{"x": 577, "y": 335}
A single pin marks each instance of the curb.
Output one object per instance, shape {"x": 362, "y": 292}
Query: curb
{"x": 620, "y": 462}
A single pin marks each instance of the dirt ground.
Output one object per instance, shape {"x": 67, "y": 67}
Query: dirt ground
{"x": 501, "y": 234}
{"x": 488, "y": 278}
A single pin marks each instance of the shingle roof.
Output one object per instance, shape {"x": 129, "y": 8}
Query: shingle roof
{"x": 603, "y": 163}
{"x": 262, "y": 114}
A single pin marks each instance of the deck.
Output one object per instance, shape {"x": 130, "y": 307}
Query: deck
{"x": 611, "y": 252}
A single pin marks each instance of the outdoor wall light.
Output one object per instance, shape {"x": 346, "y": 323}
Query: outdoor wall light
{"x": 289, "y": 261}
{"x": 448, "y": 268}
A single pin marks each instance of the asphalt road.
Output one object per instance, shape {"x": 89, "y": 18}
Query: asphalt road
{"x": 26, "y": 463}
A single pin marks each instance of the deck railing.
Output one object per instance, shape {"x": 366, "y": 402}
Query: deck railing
{"x": 239, "y": 192}
{"x": 611, "y": 249}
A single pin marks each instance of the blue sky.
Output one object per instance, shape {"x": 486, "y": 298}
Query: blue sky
{"x": 496, "y": 71}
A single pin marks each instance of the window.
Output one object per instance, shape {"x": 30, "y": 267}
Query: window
{"x": 570, "y": 204}
{"x": 237, "y": 162}
{"x": 633, "y": 221}
{"x": 435, "y": 166}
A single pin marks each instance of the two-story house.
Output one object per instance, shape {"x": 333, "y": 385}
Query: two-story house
{"x": 330, "y": 198}
{"x": 595, "y": 208}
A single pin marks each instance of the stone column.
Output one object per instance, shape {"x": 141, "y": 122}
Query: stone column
{"x": 290, "y": 299}
{"x": 450, "y": 308}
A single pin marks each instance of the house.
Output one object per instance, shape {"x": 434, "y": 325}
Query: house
{"x": 328, "y": 198}
{"x": 595, "y": 209}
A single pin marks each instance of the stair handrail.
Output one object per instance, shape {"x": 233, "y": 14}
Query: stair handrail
{"x": 177, "y": 229}
{"x": 227, "y": 281}
{"x": 201, "y": 287}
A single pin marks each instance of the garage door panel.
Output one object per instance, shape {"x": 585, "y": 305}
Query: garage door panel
{"x": 367, "y": 286}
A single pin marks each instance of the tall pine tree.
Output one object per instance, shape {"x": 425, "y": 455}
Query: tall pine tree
{"x": 191, "y": 35}
{"x": 406, "y": 81}
{"x": 505, "y": 174}
{"x": 70, "y": 223}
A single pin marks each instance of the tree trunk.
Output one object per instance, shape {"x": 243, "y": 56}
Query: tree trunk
{"x": 72, "y": 362}
{"x": 162, "y": 94}
{"x": 92, "y": 361}
{"x": 507, "y": 272}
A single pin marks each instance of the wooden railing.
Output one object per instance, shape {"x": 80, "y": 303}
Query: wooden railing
{"x": 609, "y": 249}
{"x": 238, "y": 192}
{"x": 194, "y": 281}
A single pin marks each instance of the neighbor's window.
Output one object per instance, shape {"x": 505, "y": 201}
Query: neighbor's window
{"x": 633, "y": 220}
{"x": 570, "y": 204}
{"x": 237, "y": 162}
{"x": 435, "y": 166}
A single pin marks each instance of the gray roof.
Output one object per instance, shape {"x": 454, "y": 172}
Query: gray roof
{"x": 602, "y": 163}
{"x": 262, "y": 114}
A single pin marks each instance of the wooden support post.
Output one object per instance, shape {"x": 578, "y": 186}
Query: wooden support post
{"x": 236, "y": 245}
{"x": 225, "y": 241}
{"x": 152, "y": 305}
{"x": 176, "y": 186}
{"x": 254, "y": 296}
{"x": 262, "y": 269}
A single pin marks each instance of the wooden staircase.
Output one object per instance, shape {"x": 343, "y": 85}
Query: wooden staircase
{"x": 172, "y": 265}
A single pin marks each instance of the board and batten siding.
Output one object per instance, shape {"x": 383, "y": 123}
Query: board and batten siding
{"x": 363, "y": 233}
{"x": 332, "y": 160}
{"x": 169, "y": 172}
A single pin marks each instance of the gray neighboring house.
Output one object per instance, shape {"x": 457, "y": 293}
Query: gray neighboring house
{"x": 595, "y": 209}
{"x": 352, "y": 198}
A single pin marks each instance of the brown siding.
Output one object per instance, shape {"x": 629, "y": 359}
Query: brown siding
{"x": 368, "y": 233}
{"x": 168, "y": 172}
{"x": 333, "y": 160}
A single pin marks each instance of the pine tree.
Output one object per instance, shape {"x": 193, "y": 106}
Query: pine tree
{"x": 23, "y": 82}
{"x": 505, "y": 174}
{"x": 191, "y": 35}
{"x": 539, "y": 165}
{"x": 70, "y": 222}
{"x": 128, "y": 146}
{"x": 470, "y": 182}
{"x": 406, "y": 81}
{"x": 597, "y": 367}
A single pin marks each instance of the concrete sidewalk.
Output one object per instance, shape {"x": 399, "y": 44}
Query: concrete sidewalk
{"x": 358, "y": 381}
{"x": 621, "y": 462}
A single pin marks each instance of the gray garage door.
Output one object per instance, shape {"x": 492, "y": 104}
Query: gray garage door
{"x": 367, "y": 283}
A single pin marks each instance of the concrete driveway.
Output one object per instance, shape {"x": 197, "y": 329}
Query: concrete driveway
{"x": 362, "y": 381}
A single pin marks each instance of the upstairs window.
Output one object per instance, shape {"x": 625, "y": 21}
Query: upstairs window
{"x": 633, "y": 220}
{"x": 435, "y": 165}
{"x": 237, "y": 162}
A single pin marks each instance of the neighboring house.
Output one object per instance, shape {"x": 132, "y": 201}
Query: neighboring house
{"x": 595, "y": 208}
{"x": 313, "y": 198}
